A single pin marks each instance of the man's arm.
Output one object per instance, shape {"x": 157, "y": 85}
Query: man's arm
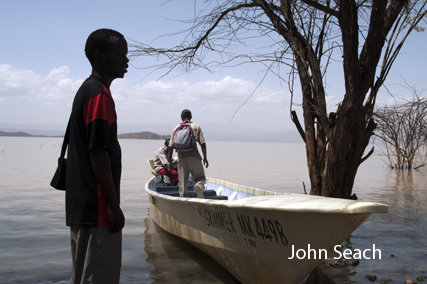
{"x": 102, "y": 169}
{"x": 170, "y": 154}
{"x": 164, "y": 157}
{"x": 205, "y": 156}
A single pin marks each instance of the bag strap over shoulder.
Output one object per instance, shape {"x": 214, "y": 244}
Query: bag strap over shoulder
{"x": 66, "y": 140}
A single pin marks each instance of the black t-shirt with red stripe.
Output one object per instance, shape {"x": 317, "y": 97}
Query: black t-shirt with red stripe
{"x": 93, "y": 124}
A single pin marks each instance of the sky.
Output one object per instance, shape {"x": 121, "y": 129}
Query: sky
{"x": 42, "y": 64}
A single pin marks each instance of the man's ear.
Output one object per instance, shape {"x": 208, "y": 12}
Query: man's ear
{"x": 99, "y": 56}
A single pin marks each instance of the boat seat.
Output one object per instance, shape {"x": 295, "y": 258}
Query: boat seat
{"x": 219, "y": 197}
{"x": 174, "y": 191}
{"x": 194, "y": 195}
{"x": 166, "y": 188}
{"x": 190, "y": 193}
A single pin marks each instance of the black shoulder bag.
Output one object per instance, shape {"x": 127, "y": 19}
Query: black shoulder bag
{"x": 58, "y": 180}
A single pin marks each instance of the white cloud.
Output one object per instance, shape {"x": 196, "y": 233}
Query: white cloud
{"x": 229, "y": 92}
{"x": 47, "y": 98}
{"x": 24, "y": 86}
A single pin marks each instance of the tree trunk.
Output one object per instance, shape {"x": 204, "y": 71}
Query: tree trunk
{"x": 333, "y": 167}
{"x": 344, "y": 155}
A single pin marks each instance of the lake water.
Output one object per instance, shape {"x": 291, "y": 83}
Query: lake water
{"x": 34, "y": 241}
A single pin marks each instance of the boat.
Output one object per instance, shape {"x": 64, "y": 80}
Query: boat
{"x": 259, "y": 236}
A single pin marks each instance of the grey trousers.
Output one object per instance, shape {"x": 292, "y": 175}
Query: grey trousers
{"x": 96, "y": 254}
{"x": 194, "y": 166}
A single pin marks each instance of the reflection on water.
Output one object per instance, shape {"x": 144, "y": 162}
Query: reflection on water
{"x": 407, "y": 195}
{"x": 401, "y": 234}
{"x": 34, "y": 245}
{"x": 175, "y": 260}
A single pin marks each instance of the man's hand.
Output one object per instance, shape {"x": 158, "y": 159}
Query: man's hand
{"x": 170, "y": 166}
{"x": 117, "y": 220}
{"x": 102, "y": 170}
{"x": 204, "y": 151}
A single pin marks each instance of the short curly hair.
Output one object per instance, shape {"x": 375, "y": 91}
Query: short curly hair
{"x": 99, "y": 40}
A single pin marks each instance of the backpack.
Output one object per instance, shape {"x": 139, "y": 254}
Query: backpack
{"x": 183, "y": 137}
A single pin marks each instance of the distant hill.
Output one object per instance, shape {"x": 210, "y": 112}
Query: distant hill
{"x": 211, "y": 131}
{"x": 16, "y": 134}
{"x": 135, "y": 135}
{"x": 143, "y": 135}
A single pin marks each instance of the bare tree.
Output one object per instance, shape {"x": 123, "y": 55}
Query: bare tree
{"x": 403, "y": 128}
{"x": 305, "y": 36}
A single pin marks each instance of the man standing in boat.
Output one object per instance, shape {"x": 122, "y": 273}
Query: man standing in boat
{"x": 189, "y": 159}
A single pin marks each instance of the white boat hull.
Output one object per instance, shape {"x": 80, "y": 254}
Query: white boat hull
{"x": 254, "y": 238}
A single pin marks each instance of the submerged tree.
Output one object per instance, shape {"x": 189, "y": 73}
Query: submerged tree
{"x": 307, "y": 35}
{"x": 403, "y": 129}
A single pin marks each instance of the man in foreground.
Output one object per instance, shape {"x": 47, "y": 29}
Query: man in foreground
{"x": 93, "y": 210}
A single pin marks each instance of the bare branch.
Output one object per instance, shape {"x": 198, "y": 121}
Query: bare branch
{"x": 402, "y": 127}
{"x": 306, "y": 37}
{"x": 317, "y": 5}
